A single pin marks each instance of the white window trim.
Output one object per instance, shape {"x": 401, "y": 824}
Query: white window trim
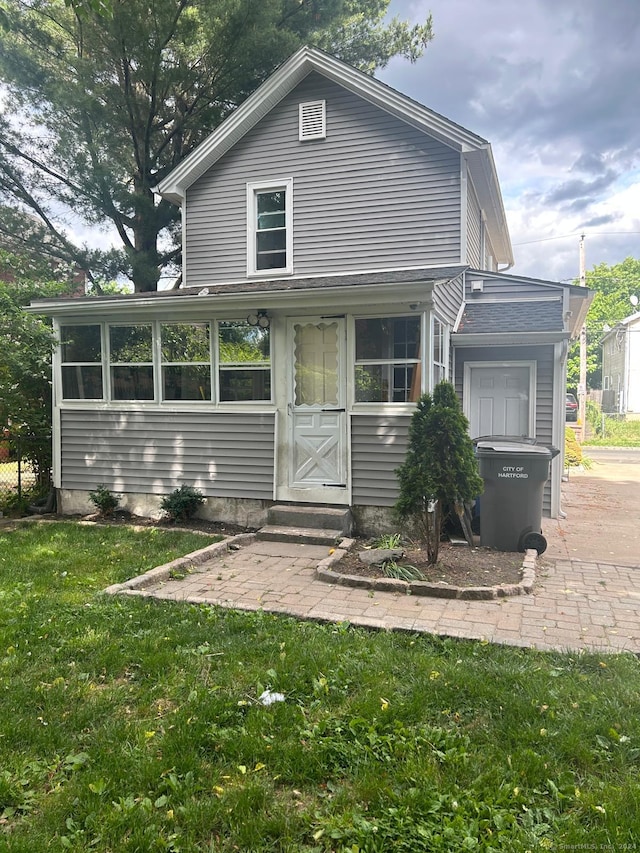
{"x": 153, "y": 364}
{"x": 107, "y": 403}
{"x": 444, "y": 331}
{"x": 253, "y": 189}
{"x": 58, "y": 364}
{"x": 374, "y": 407}
{"x": 234, "y": 405}
{"x": 161, "y": 364}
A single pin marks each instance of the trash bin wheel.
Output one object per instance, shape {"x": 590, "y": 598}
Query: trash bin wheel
{"x": 533, "y": 541}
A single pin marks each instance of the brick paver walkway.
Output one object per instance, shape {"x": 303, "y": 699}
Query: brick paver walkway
{"x": 575, "y": 604}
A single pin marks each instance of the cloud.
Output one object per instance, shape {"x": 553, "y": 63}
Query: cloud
{"x": 552, "y": 85}
{"x": 581, "y": 190}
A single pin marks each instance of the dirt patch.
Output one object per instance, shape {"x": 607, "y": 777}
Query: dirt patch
{"x": 458, "y": 565}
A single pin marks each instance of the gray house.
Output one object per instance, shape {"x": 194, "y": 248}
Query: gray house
{"x": 621, "y": 368}
{"x": 344, "y": 249}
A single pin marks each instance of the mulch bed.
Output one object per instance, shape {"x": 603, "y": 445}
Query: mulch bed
{"x": 458, "y": 565}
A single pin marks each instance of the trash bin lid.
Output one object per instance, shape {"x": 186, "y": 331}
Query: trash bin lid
{"x": 519, "y": 448}
{"x": 517, "y": 439}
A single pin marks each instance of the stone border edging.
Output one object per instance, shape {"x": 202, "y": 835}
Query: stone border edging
{"x": 325, "y": 573}
{"x": 188, "y": 563}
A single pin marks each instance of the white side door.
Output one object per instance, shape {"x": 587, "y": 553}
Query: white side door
{"x": 317, "y": 421}
{"x": 499, "y": 399}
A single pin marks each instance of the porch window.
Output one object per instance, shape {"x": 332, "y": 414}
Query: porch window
{"x": 439, "y": 352}
{"x": 270, "y": 228}
{"x": 387, "y": 368}
{"x": 186, "y": 361}
{"x": 131, "y": 362}
{"x": 244, "y": 362}
{"x": 81, "y": 356}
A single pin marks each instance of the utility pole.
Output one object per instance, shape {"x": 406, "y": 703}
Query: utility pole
{"x": 582, "y": 386}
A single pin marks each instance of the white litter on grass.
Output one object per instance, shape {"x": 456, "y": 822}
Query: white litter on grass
{"x": 269, "y": 698}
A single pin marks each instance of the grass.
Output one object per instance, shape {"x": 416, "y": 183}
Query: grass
{"x": 618, "y": 434}
{"x": 134, "y": 725}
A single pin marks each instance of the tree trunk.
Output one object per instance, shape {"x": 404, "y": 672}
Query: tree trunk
{"x": 145, "y": 265}
{"x": 433, "y": 524}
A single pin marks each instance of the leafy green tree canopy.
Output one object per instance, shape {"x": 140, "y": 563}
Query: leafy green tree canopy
{"x": 26, "y": 343}
{"x": 103, "y": 98}
{"x": 614, "y": 285}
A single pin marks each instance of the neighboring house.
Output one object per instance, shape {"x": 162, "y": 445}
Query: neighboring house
{"x": 621, "y": 367}
{"x": 344, "y": 250}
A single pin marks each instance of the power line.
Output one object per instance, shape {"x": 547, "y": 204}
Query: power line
{"x": 576, "y": 234}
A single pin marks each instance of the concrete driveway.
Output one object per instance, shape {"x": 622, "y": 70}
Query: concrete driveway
{"x": 602, "y": 508}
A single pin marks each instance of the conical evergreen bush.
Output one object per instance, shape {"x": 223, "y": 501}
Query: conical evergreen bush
{"x": 440, "y": 471}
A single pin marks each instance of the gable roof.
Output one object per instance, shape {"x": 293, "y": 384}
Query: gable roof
{"x": 631, "y": 320}
{"x": 475, "y": 150}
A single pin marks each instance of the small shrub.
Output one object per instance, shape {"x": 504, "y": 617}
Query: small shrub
{"x": 391, "y": 569}
{"x": 182, "y": 503}
{"x": 572, "y": 449}
{"x": 104, "y": 500}
{"x": 440, "y": 470}
{"x": 388, "y": 541}
{"x": 12, "y": 504}
{"x": 593, "y": 417}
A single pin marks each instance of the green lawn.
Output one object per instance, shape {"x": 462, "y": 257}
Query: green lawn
{"x": 617, "y": 433}
{"x": 132, "y": 725}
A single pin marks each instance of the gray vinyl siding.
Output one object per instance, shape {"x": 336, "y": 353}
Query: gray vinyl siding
{"x": 613, "y": 363}
{"x": 474, "y": 231}
{"x": 222, "y": 454}
{"x": 378, "y": 448}
{"x": 376, "y": 193}
{"x": 544, "y": 389}
{"x": 447, "y": 299}
{"x": 509, "y": 288}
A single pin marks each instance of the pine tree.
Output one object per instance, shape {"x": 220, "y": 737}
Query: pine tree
{"x": 440, "y": 471}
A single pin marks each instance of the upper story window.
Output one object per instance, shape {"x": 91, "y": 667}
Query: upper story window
{"x": 270, "y": 228}
{"x": 131, "y": 362}
{"x": 387, "y": 366}
{"x": 186, "y": 361}
{"x": 81, "y": 357}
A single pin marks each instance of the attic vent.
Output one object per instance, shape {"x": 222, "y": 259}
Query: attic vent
{"x": 312, "y": 120}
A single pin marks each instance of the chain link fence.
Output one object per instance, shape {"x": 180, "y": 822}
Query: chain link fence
{"x": 25, "y": 470}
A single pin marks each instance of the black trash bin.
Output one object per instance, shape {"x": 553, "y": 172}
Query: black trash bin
{"x": 514, "y": 472}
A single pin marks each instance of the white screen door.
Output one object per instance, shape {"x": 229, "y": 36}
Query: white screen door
{"x": 317, "y": 417}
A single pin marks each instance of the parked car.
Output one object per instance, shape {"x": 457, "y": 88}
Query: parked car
{"x": 571, "y": 408}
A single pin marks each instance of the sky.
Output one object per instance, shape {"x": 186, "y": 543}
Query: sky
{"x": 554, "y": 86}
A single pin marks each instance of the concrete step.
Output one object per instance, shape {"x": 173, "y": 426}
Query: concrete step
{"x": 300, "y": 535}
{"x": 310, "y": 516}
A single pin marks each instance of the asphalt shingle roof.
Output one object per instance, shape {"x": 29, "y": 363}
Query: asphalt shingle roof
{"x": 499, "y": 317}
